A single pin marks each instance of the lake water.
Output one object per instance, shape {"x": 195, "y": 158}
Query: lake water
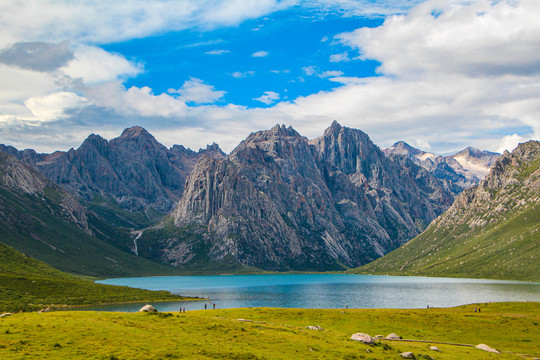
{"x": 325, "y": 291}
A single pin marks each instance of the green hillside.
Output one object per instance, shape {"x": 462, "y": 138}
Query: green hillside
{"x": 43, "y": 221}
{"x": 29, "y": 224}
{"x": 491, "y": 231}
{"x": 27, "y": 284}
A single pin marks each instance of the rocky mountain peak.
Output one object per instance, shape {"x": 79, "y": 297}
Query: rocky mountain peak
{"x": 401, "y": 147}
{"x": 134, "y": 132}
{"x": 282, "y": 130}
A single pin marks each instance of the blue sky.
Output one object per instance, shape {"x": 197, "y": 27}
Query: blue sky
{"x": 439, "y": 74}
{"x": 288, "y": 53}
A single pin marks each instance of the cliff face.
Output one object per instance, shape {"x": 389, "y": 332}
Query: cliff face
{"x": 491, "y": 230}
{"x": 279, "y": 202}
{"x": 134, "y": 169}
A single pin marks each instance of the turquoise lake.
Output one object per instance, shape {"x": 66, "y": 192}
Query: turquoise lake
{"x": 325, "y": 291}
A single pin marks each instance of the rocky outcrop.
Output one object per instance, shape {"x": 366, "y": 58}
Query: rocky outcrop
{"x": 457, "y": 172}
{"x": 280, "y": 202}
{"x": 134, "y": 169}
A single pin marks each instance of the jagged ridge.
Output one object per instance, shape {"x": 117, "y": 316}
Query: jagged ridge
{"x": 492, "y": 230}
{"x": 279, "y": 202}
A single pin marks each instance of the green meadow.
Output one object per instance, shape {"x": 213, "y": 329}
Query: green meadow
{"x": 265, "y": 333}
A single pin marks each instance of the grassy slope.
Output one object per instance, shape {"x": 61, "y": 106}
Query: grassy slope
{"x": 490, "y": 232}
{"x": 274, "y": 334}
{"x": 39, "y": 233}
{"x": 508, "y": 250}
{"x": 29, "y": 284}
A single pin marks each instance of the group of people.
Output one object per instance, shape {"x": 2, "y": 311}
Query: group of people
{"x": 206, "y": 306}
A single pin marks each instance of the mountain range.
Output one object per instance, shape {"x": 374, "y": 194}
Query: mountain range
{"x": 457, "y": 172}
{"x": 491, "y": 231}
{"x": 278, "y": 201}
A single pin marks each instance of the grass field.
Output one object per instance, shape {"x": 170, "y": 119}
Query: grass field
{"x": 513, "y": 328}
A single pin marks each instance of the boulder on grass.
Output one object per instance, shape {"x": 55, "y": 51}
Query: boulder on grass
{"x": 147, "y": 308}
{"x": 314, "y": 327}
{"x": 393, "y": 336}
{"x": 434, "y": 348}
{"x": 487, "y": 348}
{"x": 407, "y": 355}
{"x": 364, "y": 338}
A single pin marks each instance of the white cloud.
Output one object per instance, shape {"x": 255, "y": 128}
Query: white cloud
{"x": 341, "y": 57}
{"x": 53, "y": 106}
{"x": 135, "y": 101}
{"x": 477, "y": 40}
{"x": 510, "y": 142}
{"x": 331, "y": 73}
{"x": 260, "y": 54}
{"x": 314, "y": 71}
{"x": 101, "y": 22}
{"x": 244, "y": 74}
{"x": 19, "y": 84}
{"x": 269, "y": 97}
{"x": 286, "y": 71}
{"x": 93, "y": 64}
{"x": 218, "y": 52}
{"x": 361, "y": 7}
{"x": 196, "y": 91}
{"x": 309, "y": 70}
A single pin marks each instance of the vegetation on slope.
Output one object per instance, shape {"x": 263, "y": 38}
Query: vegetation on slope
{"x": 274, "y": 334}
{"x": 27, "y": 284}
{"x": 491, "y": 231}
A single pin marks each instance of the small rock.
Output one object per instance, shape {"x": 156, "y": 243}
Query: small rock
{"x": 434, "y": 348}
{"x": 244, "y": 320}
{"x": 148, "y": 308}
{"x": 379, "y": 336}
{"x": 407, "y": 355}
{"x": 6, "y": 314}
{"x": 487, "y": 348}
{"x": 315, "y": 327}
{"x": 393, "y": 336}
{"x": 365, "y": 338}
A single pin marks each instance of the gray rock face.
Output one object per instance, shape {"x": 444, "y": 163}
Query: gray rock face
{"x": 19, "y": 176}
{"x": 457, "y": 172}
{"x": 134, "y": 169}
{"x": 280, "y": 202}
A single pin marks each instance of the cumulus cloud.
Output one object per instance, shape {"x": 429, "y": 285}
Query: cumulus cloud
{"x": 135, "y": 101}
{"x": 37, "y": 56}
{"x": 480, "y": 39}
{"x": 269, "y": 97}
{"x": 93, "y": 64}
{"x": 196, "y": 91}
{"x": 98, "y": 22}
{"x": 54, "y": 106}
{"x": 260, "y": 54}
{"x": 449, "y": 71}
{"x": 510, "y": 142}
